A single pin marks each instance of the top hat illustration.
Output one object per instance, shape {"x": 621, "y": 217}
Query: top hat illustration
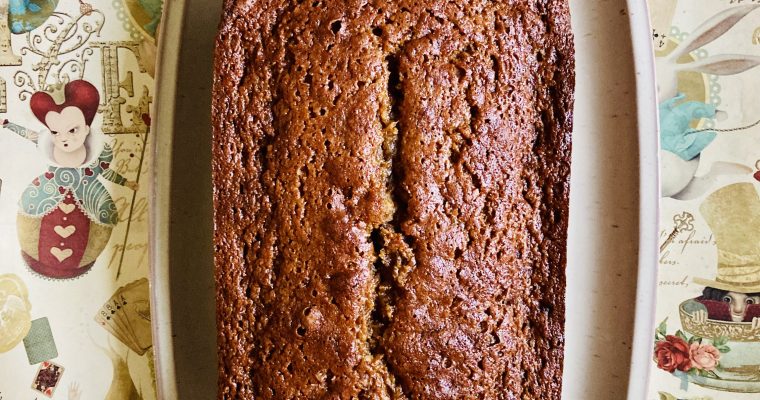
{"x": 733, "y": 214}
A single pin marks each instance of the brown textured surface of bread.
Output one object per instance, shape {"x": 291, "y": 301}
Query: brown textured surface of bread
{"x": 391, "y": 198}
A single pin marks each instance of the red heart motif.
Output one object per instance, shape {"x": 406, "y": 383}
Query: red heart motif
{"x": 61, "y": 189}
{"x": 36, "y": 181}
{"x": 79, "y": 93}
{"x": 49, "y": 175}
{"x": 88, "y": 172}
{"x": 104, "y": 165}
{"x": 757, "y": 175}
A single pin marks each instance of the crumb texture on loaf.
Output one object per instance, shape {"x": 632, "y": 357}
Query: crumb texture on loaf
{"x": 391, "y": 198}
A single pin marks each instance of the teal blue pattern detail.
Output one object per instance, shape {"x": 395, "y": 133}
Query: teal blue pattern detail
{"x": 26, "y": 15}
{"x": 21, "y": 131}
{"x": 153, "y": 9}
{"x": 48, "y": 190}
{"x": 676, "y": 135}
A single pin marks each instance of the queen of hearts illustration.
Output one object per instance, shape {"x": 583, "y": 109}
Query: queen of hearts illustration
{"x": 66, "y": 214}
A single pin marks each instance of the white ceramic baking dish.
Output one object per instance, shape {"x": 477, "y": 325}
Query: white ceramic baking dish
{"x": 613, "y": 223}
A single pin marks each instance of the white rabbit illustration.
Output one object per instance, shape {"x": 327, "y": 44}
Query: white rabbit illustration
{"x": 678, "y": 178}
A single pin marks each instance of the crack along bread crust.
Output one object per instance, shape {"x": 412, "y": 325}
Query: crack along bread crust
{"x": 391, "y": 198}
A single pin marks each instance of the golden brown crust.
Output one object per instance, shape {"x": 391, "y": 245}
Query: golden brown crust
{"x": 391, "y": 192}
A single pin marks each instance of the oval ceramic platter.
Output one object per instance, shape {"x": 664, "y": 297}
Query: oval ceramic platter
{"x": 76, "y": 104}
{"x": 646, "y": 100}
{"x": 591, "y": 279}
{"x": 641, "y": 110}
{"x": 706, "y": 341}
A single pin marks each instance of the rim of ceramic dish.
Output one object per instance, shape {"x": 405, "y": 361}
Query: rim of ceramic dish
{"x": 167, "y": 63}
{"x": 649, "y": 194}
{"x": 163, "y": 121}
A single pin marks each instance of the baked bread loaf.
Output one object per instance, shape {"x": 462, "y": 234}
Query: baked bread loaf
{"x": 391, "y": 195}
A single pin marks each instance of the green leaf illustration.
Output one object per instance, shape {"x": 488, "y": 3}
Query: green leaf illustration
{"x": 720, "y": 341}
{"x": 661, "y": 331}
{"x": 695, "y": 339}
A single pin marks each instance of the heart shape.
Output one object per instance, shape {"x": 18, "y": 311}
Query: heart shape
{"x": 78, "y": 94}
{"x": 104, "y": 164}
{"x": 88, "y": 171}
{"x": 61, "y": 255}
{"x": 757, "y": 175}
{"x": 49, "y": 175}
{"x": 36, "y": 181}
{"x": 66, "y": 208}
{"x": 61, "y": 189}
{"x": 65, "y": 232}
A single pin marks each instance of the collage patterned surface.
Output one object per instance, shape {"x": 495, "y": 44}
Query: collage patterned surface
{"x": 76, "y": 93}
{"x": 707, "y": 342}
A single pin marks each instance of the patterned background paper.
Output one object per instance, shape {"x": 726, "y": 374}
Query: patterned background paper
{"x": 707, "y": 343}
{"x": 74, "y": 223}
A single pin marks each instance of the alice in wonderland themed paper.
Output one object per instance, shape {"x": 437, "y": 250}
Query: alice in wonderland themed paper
{"x": 76, "y": 90}
{"x": 707, "y": 342}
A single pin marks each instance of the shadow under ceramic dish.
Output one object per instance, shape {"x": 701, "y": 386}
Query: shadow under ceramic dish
{"x": 604, "y": 202}
{"x": 191, "y": 230}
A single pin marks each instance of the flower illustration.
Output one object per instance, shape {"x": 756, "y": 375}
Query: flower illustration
{"x": 691, "y": 354}
{"x": 673, "y": 354}
{"x": 704, "y": 356}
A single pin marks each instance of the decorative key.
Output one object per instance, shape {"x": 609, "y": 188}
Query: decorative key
{"x": 682, "y": 223}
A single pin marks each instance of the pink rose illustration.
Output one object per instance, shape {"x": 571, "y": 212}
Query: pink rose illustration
{"x": 704, "y": 356}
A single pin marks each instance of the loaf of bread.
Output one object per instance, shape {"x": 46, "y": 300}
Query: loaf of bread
{"x": 391, "y": 185}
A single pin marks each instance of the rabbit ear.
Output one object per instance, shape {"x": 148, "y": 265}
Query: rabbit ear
{"x": 712, "y": 29}
{"x": 723, "y": 64}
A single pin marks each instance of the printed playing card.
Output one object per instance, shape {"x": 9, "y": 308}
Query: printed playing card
{"x": 136, "y": 310}
{"x": 126, "y": 316}
{"x": 47, "y": 378}
{"x": 119, "y": 304}
{"x": 106, "y": 321}
{"x": 39, "y": 342}
{"x": 114, "y": 310}
{"x": 107, "y": 318}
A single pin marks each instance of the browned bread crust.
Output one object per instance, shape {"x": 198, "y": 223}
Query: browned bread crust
{"x": 391, "y": 195}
